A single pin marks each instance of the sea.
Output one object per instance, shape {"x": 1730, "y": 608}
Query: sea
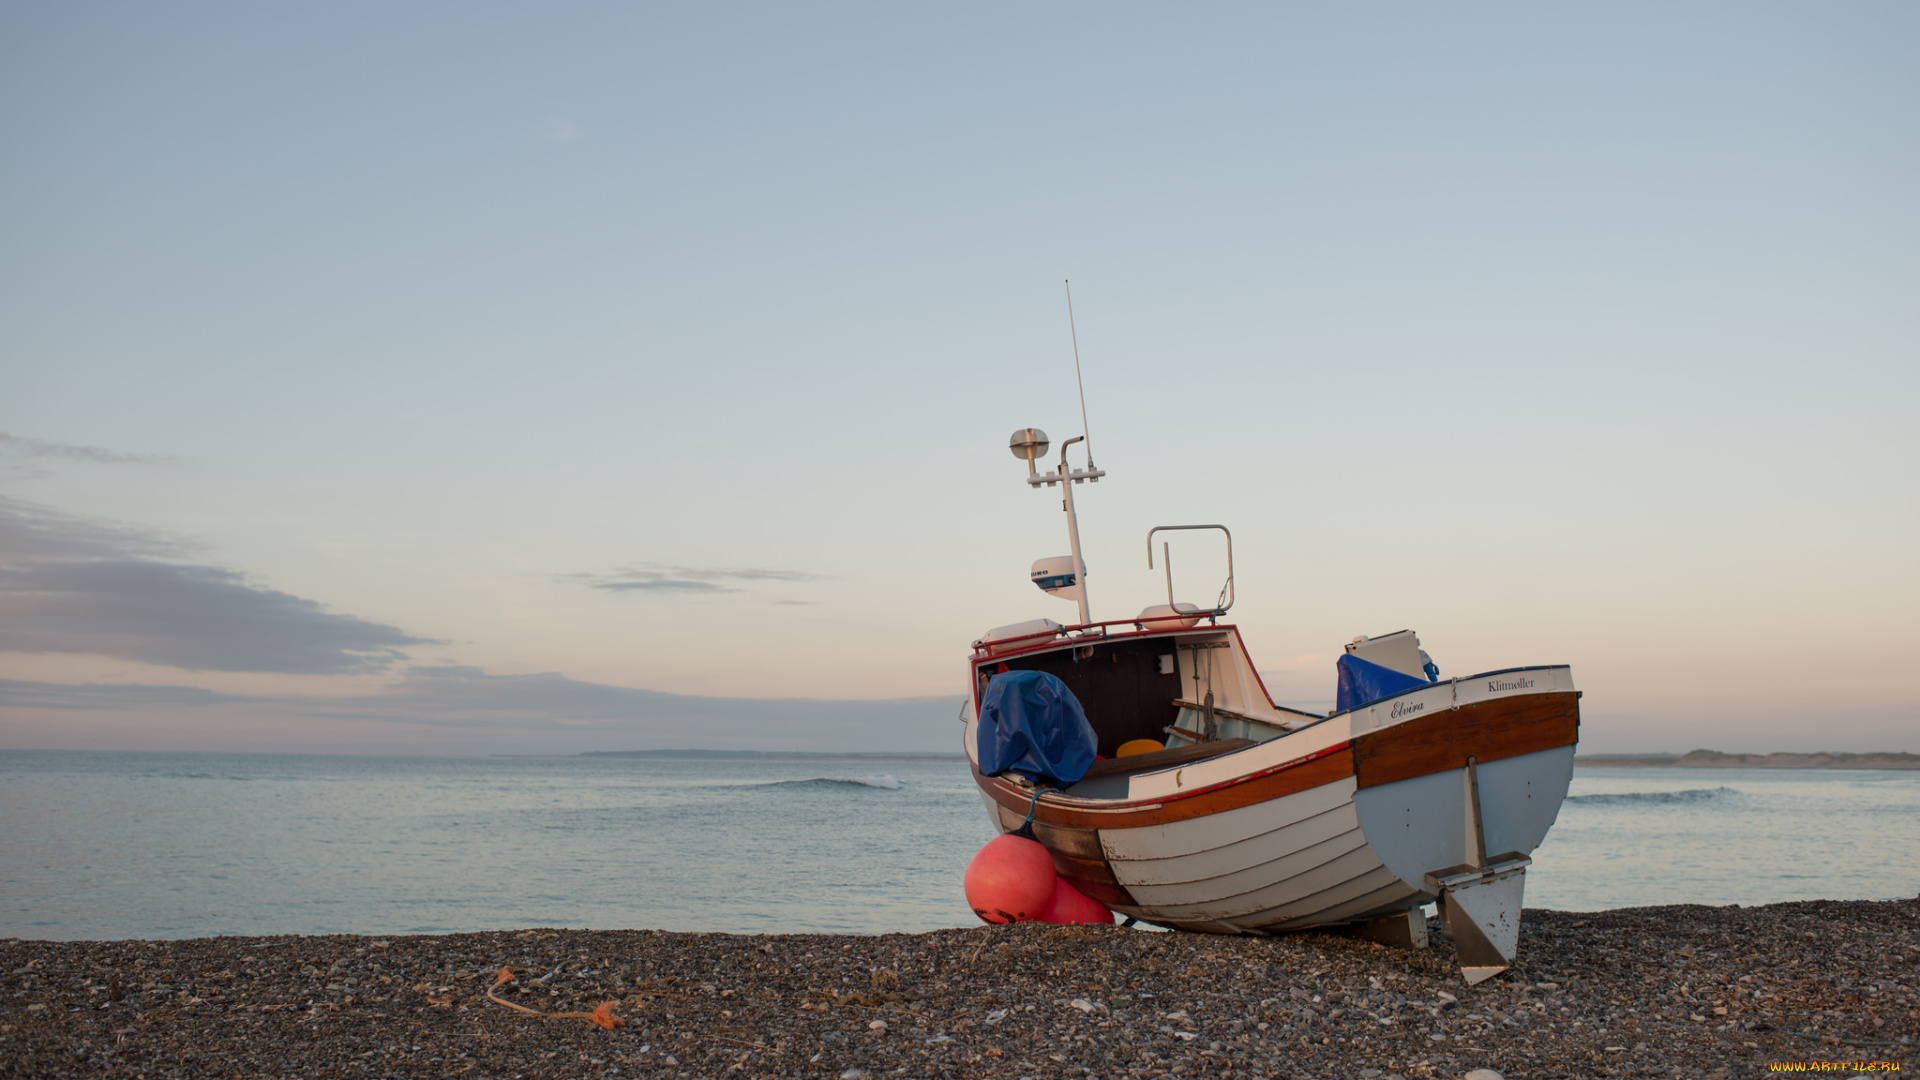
{"x": 97, "y": 845}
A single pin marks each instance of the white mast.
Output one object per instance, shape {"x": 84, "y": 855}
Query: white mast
{"x": 1073, "y": 520}
{"x": 1030, "y": 443}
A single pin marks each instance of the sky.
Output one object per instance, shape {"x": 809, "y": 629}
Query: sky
{"x": 480, "y": 378}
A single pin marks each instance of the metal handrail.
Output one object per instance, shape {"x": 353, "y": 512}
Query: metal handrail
{"x": 1226, "y": 590}
{"x": 1065, "y": 631}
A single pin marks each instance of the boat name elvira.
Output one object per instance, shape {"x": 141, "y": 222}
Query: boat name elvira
{"x": 1401, "y": 708}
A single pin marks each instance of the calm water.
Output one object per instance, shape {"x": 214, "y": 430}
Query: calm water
{"x": 98, "y": 845}
{"x": 1633, "y": 836}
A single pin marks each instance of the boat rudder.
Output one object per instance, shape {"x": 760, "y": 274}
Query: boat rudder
{"x": 1480, "y": 910}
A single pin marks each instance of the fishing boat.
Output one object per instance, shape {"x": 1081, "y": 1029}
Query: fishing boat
{"x": 1211, "y": 808}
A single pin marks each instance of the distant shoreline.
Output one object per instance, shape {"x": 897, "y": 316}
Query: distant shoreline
{"x": 1714, "y": 759}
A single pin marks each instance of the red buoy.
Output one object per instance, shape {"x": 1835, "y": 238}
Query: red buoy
{"x": 1010, "y": 880}
{"x": 1070, "y": 905}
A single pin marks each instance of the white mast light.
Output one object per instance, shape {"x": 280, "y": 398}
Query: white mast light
{"x": 1028, "y": 444}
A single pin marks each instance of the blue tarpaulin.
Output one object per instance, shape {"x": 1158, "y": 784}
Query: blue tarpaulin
{"x": 1032, "y": 724}
{"x": 1363, "y": 681}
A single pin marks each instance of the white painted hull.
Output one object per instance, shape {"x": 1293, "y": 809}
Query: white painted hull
{"x": 1319, "y": 826}
{"x": 1330, "y": 854}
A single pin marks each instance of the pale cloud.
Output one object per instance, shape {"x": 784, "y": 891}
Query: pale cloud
{"x": 642, "y": 582}
{"x": 73, "y": 585}
{"x": 41, "y": 448}
{"x": 21, "y": 694}
{"x": 748, "y": 574}
{"x": 654, "y": 577}
{"x": 562, "y": 130}
{"x": 31, "y": 534}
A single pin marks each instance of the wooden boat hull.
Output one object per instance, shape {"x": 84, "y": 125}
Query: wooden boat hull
{"x": 1340, "y": 822}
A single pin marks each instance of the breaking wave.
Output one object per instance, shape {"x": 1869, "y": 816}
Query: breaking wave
{"x": 884, "y": 781}
{"x": 1655, "y": 798}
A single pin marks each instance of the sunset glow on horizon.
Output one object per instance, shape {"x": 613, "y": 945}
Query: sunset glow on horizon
{"x": 474, "y": 379}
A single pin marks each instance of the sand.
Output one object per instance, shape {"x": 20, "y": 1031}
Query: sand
{"x": 1666, "y": 991}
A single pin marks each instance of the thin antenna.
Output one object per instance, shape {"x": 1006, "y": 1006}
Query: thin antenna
{"x": 1075, "y": 334}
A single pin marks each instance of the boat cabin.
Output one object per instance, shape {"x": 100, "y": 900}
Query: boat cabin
{"x": 1190, "y": 688}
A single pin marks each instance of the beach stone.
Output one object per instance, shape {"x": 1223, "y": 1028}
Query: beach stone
{"x": 209, "y": 1007}
{"x": 1483, "y": 1074}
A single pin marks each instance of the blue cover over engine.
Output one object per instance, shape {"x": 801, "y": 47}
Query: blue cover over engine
{"x": 1363, "y": 682}
{"x": 1032, "y": 724}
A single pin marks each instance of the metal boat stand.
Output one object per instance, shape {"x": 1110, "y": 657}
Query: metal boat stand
{"x": 1406, "y": 930}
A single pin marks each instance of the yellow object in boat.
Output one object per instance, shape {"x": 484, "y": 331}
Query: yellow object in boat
{"x": 1137, "y": 746}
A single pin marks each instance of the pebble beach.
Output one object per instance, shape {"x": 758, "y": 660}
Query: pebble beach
{"x": 1661, "y": 991}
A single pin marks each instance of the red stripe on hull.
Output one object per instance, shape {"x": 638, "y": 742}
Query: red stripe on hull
{"x": 1327, "y": 766}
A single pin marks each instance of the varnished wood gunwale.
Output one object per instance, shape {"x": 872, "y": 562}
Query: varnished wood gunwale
{"x": 1326, "y": 767}
{"x": 1485, "y": 731}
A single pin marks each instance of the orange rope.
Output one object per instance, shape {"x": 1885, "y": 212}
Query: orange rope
{"x": 602, "y": 1016}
